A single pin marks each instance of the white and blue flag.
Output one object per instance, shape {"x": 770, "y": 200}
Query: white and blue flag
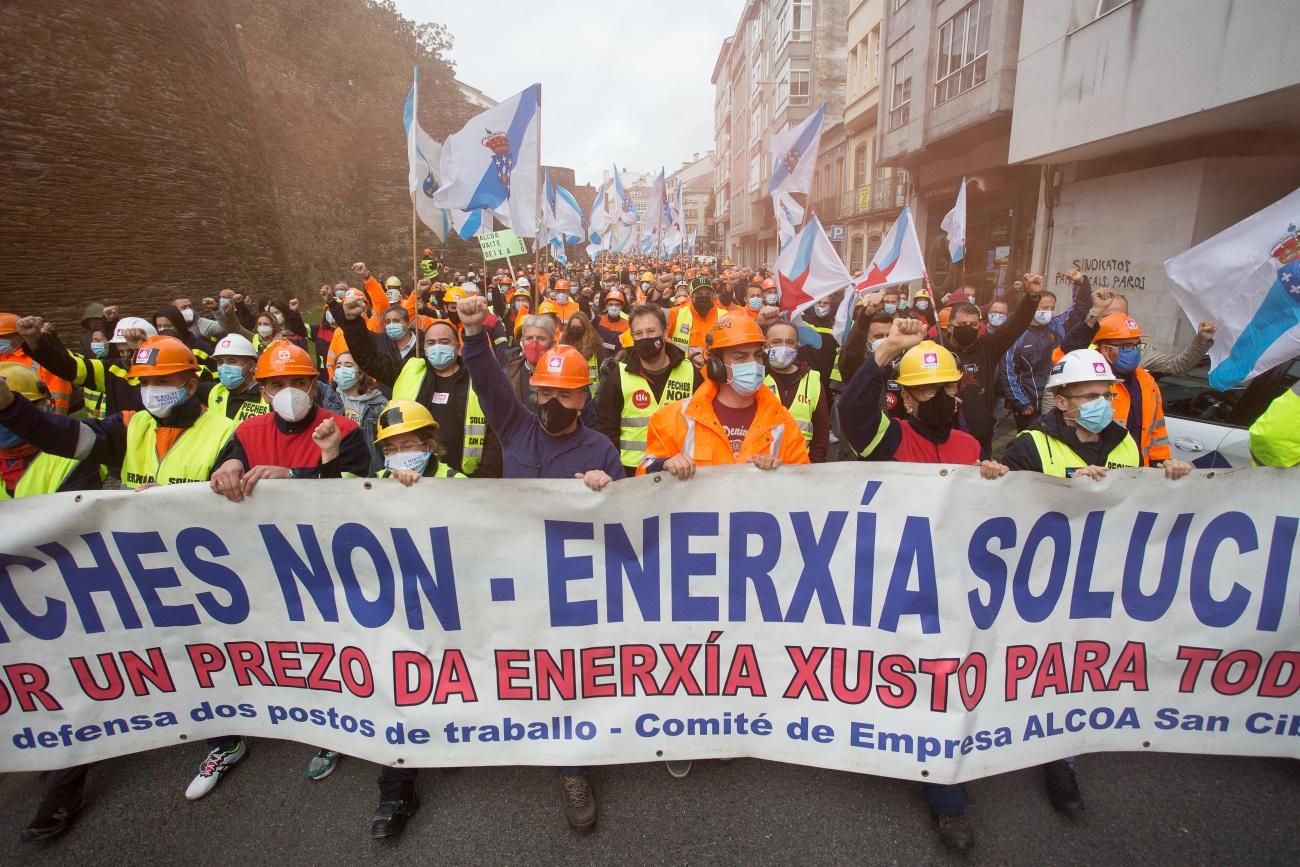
{"x": 954, "y": 224}
{"x": 492, "y": 163}
{"x": 627, "y": 212}
{"x": 422, "y": 158}
{"x": 794, "y": 154}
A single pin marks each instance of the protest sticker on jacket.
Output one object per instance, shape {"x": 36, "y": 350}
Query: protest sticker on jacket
{"x": 912, "y": 621}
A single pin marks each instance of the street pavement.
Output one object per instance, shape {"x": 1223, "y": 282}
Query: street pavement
{"x": 1142, "y": 809}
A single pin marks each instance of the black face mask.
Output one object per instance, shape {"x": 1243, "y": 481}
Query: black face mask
{"x": 648, "y": 347}
{"x": 938, "y": 412}
{"x": 702, "y": 304}
{"x": 726, "y": 296}
{"x": 453, "y": 315}
{"x": 555, "y": 416}
{"x": 965, "y": 335}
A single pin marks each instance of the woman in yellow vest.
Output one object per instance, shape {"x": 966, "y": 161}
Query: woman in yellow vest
{"x": 799, "y": 387}
{"x": 25, "y": 470}
{"x": 581, "y": 335}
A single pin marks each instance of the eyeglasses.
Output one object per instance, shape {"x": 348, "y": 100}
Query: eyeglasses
{"x": 1140, "y": 347}
{"x": 925, "y": 392}
{"x": 1088, "y": 398}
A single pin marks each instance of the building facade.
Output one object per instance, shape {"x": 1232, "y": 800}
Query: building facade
{"x": 696, "y": 177}
{"x": 784, "y": 59}
{"x": 1189, "y": 125}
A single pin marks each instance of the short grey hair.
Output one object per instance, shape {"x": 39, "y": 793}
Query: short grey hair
{"x": 542, "y": 322}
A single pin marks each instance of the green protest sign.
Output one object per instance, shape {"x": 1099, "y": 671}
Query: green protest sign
{"x": 499, "y": 245}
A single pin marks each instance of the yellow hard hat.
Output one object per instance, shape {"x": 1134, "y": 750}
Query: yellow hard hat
{"x": 647, "y": 277}
{"x": 625, "y": 339}
{"x": 393, "y": 282}
{"x": 927, "y": 363}
{"x": 23, "y": 380}
{"x": 454, "y": 294}
{"x": 402, "y": 416}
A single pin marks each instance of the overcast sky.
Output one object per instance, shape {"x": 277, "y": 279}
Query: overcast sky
{"x": 604, "y": 98}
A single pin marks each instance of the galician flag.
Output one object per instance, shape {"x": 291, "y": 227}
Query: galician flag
{"x": 625, "y": 207}
{"x": 598, "y": 226}
{"x": 1246, "y": 279}
{"x": 655, "y": 207}
{"x": 422, "y": 157}
{"x": 794, "y": 154}
{"x": 898, "y": 261}
{"x": 809, "y": 269}
{"x": 492, "y": 163}
{"x": 954, "y": 224}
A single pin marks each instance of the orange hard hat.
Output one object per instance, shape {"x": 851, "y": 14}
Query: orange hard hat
{"x": 727, "y": 273}
{"x": 561, "y": 367}
{"x": 8, "y": 323}
{"x": 1117, "y": 326}
{"x": 161, "y": 356}
{"x": 283, "y": 358}
{"x": 690, "y": 274}
{"x": 706, "y": 270}
{"x": 561, "y": 285}
{"x": 427, "y": 251}
{"x": 769, "y": 283}
{"x": 677, "y": 269}
{"x": 615, "y": 295}
{"x": 733, "y": 331}
{"x": 945, "y": 317}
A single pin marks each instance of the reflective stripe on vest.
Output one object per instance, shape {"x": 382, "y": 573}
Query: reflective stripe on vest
{"x": 635, "y": 420}
{"x": 442, "y": 472}
{"x": 95, "y": 401}
{"x": 681, "y": 335}
{"x": 806, "y": 398}
{"x": 219, "y": 400}
{"x": 688, "y": 444}
{"x": 407, "y": 387}
{"x": 190, "y": 458}
{"x": 44, "y": 475}
{"x": 1061, "y": 461}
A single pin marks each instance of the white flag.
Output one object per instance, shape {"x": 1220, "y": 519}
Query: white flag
{"x": 423, "y": 155}
{"x": 955, "y": 225}
{"x": 494, "y": 161}
{"x": 794, "y": 154}
{"x": 1247, "y": 280}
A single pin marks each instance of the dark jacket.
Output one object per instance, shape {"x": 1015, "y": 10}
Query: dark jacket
{"x": 528, "y": 451}
{"x": 979, "y": 368}
{"x": 1029, "y": 361}
{"x": 609, "y": 397}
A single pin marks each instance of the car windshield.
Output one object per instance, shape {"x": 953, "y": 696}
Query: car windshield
{"x": 1189, "y": 395}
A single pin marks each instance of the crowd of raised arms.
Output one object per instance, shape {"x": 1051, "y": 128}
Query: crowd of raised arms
{"x": 635, "y": 366}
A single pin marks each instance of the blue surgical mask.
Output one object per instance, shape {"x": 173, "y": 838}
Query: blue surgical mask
{"x": 345, "y": 377}
{"x": 997, "y": 320}
{"x": 613, "y": 311}
{"x": 561, "y": 297}
{"x": 1043, "y": 317}
{"x": 6, "y": 346}
{"x": 440, "y": 355}
{"x": 822, "y": 309}
{"x": 99, "y": 350}
{"x": 1127, "y": 360}
{"x": 771, "y": 298}
{"x": 754, "y": 303}
{"x": 231, "y": 375}
{"x": 1096, "y": 415}
{"x": 747, "y": 378}
{"x": 922, "y": 304}
{"x": 903, "y": 305}
{"x": 394, "y": 330}
{"x": 891, "y": 309}
{"x": 9, "y": 439}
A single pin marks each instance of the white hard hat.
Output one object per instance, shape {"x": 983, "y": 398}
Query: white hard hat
{"x": 233, "y": 344}
{"x": 1081, "y": 365}
{"x": 522, "y": 281}
{"x": 470, "y": 275}
{"x": 470, "y": 288}
{"x": 124, "y": 325}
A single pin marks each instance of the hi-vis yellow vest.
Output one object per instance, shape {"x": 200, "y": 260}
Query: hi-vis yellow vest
{"x": 681, "y": 335}
{"x": 806, "y": 398}
{"x": 219, "y": 399}
{"x": 639, "y": 405}
{"x": 442, "y": 472}
{"x": 190, "y": 458}
{"x": 408, "y": 386}
{"x": 1061, "y": 461}
{"x": 44, "y": 475}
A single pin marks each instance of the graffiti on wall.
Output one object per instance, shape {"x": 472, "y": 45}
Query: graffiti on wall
{"x": 1114, "y": 274}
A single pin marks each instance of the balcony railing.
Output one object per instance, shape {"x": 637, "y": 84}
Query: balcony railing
{"x": 889, "y": 194}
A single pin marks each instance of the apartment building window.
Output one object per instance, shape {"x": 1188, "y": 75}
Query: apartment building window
{"x": 855, "y": 78}
{"x": 860, "y": 161}
{"x": 900, "y": 93}
{"x": 754, "y": 169}
{"x": 801, "y": 20}
{"x": 873, "y": 57}
{"x": 963, "y": 51}
{"x": 800, "y": 86}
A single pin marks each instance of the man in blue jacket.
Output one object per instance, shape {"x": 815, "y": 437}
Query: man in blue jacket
{"x": 1029, "y": 361}
{"x": 549, "y": 443}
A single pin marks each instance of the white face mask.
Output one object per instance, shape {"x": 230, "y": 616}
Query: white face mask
{"x": 265, "y": 330}
{"x": 406, "y": 461}
{"x": 875, "y": 344}
{"x": 1042, "y": 317}
{"x": 781, "y": 356}
{"x": 279, "y": 318}
{"x": 394, "y": 295}
{"x": 188, "y": 314}
{"x": 160, "y": 400}
{"x": 291, "y": 404}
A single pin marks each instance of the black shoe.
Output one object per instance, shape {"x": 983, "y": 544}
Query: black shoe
{"x": 579, "y": 801}
{"x": 956, "y": 832}
{"x": 51, "y": 821}
{"x": 390, "y": 818}
{"x": 1063, "y": 789}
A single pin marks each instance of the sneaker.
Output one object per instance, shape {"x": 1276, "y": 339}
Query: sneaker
{"x": 579, "y": 801}
{"x": 678, "y": 770}
{"x": 956, "y": 832}
{"x": 390, "y": 818}
{"x": 51, "y": 821}
{"x": 214, "y": 766}
{"x": 322, "y": 764}
{"x": 1063, "y": 788}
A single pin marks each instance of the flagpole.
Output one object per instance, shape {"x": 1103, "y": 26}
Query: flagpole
{"x": 415, "y": 268}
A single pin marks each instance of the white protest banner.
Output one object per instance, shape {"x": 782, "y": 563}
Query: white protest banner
{"x": 906, "y": 620}
{"x": 499, "y": 245}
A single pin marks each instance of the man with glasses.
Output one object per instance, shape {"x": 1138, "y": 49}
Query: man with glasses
{"x": 1138, "y": 403}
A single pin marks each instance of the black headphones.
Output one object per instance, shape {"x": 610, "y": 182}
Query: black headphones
{"x": 714, "y": 368}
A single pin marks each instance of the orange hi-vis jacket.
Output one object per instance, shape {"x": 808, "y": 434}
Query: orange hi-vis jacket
{"x": 60, "y": 389}
{"x": 1153, "y": 439}
{"x": 690, "y": 427}
{"x": 687, "y": 328}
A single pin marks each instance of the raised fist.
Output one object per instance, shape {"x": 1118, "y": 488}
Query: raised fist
{"x": 359, "y": 267}
{"x": 29, "y": 328}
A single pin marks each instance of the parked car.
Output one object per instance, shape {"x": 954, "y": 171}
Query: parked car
{"x": 1209, "y": 428}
